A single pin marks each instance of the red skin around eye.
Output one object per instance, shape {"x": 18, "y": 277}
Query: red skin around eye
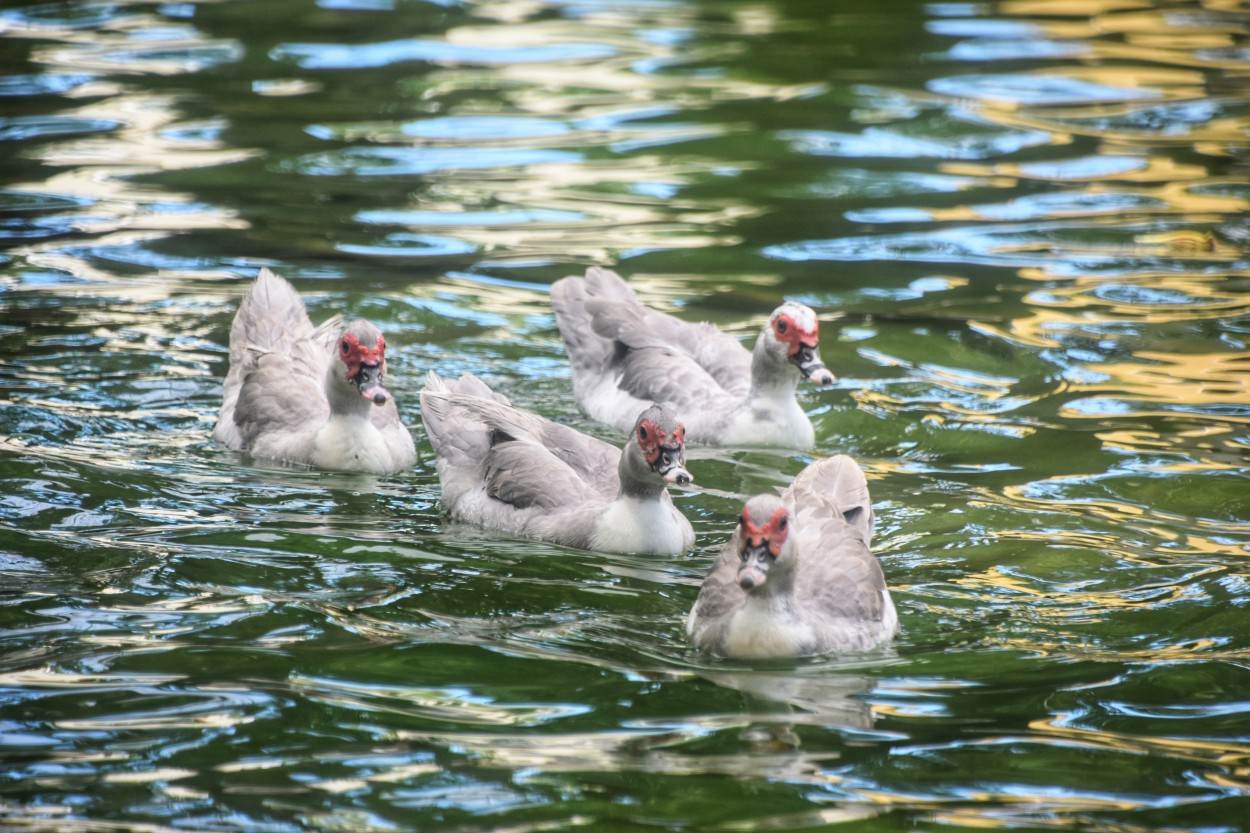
{"x": 657, "y": 437}
{"x": 795, "y": 337}
{"x": 772, "y": 530}
{"x": 357, "y": 354}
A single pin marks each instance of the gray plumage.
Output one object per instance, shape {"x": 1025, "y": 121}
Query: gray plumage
{"x": 823, "y": 592}
{"x": 287, "y": 396}
{"x": 515, "y": 472}
{"x": 624, "y": 355}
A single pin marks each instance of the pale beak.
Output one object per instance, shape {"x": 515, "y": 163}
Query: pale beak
{"x": 753, "y": 571}
{"x": 369, "y": 382}
{"x": 807, "y": 360}
{"x": 671, "y": 465}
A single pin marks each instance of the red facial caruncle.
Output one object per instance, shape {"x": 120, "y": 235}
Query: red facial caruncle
{"x": 652, "y": 439}
{"x": 794, "y": 335}
{"x": 774, "y": 530}
{"x": 353, "y": 354}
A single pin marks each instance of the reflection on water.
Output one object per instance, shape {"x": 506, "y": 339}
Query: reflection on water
{"x": 1022, "y": 223}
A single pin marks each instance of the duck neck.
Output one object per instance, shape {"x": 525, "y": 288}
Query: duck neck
{"x": 771, "y": 379}
{"x": 345, "y": 400}
{"x": 638, "y": 481}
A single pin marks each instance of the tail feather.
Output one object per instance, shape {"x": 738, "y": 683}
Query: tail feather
{"x": 579, "y": 304}
{"x": 271, "y": 315}
{"x": 605, "y": 283}
{"x": 453, "y": 440}
{"x": 839, "y": 483}
{"x": 460, "y": 414}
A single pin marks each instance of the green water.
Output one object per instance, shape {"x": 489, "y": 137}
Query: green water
{"x": 1024, "y": 225}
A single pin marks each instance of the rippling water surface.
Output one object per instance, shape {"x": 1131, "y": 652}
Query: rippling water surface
{"x": 1024, "y": 224}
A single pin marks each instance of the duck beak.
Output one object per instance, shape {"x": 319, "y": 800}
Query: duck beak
{"x": 671, "y": 465}
{"x": 756, "y": 560}
{"x": 368, "y": 381}
{"x": 807, "y": 360}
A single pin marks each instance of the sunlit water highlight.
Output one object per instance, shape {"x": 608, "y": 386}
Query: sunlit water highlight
{"x": 1023, "y": 224}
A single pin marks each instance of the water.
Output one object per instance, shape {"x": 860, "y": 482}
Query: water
{"x": 1024, "y": 224}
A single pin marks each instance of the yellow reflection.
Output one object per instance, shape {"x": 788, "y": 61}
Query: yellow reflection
{"x": 1184, "y": 379}
{"x": 1198, "y": 651}
{"x": 1069, "y": 605}
{"x": 1189, "y": 749}
{"x": 1152, "y": 169}
{"x": 1129, "y": 46}
{"x": 1216, "y": 444}
{"x": 1085, "y": 305}
{"x": 1174, "y": 40}
{"x": 1119, "y": 514}
{"x": 1185, "y": 241}
{"x": 1069, "y": 8}
{"x": 1153, "y": 299}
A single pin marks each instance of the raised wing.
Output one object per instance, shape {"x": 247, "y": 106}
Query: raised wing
{"x": 270, "y": 316}
{"x": 658, "y": 357}
{"x": 525, "y": 475}
{"x": 521, "y": 458}
{"x": 846, "y": 582}
{"x": 833, "y": 514}
{"x": 269, "y": 346}
{"x": 282, "y": 393}
{"x": 832, "y": 489}
{"x": 719, "y": 597}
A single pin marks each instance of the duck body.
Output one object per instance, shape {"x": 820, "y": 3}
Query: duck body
{"x": 513, "y": 471}
{"x": 624, "y": 356}
{"x": 306, "y": 394}
{"x": 798, "y": 577}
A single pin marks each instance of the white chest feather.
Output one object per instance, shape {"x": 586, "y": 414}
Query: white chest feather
{"x": 353, "y": 443}
{"x": 773, "y": 420}
{"x": 761, "y": 629}
{"x": 649, "y": 527}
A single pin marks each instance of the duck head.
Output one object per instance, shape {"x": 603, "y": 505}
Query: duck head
{"x": 656, "y": 448}
{"x": 764, "y": 539}
{"x": 361, "y": 360}
{"x": 793, "y": 335}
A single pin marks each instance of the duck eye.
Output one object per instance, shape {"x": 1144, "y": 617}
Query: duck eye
{"x": 782, "y": 326}
{"x": 642, "y": 432}
{"x": 343, "y": 348}
{"x": 781, "y": 524}
{"x": 742, "y": 520}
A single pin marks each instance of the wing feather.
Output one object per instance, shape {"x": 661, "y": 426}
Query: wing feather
{"x": 519, "y": 458}
{"x": 277, "y": 362}
{"x": 719, "y": 598}
{"x": 652, "y": 356}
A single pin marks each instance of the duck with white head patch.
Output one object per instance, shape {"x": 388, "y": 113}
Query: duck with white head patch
{"x": 513, "y": 471}
{"x": 798, "y": 578}
{"x": 305, "y": 394}
{"x": 624, "y": 355}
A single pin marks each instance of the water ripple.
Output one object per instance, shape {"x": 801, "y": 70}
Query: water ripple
{"x": 338, "y": 56}
{"x": 1054, "y": 422}
{"x": 932, "y": 141}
